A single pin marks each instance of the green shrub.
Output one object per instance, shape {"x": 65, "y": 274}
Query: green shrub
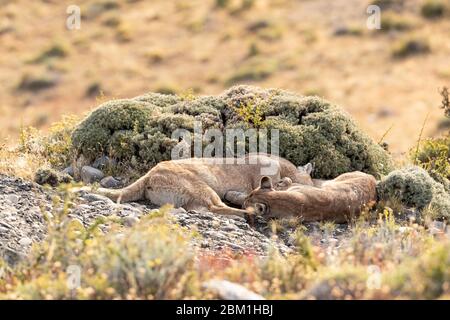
{"x": 414, "y": 187}
{"x": 57, "y": 50}
{"x": 434, "y": 155}
{"x": 138, "y": 131}
{"x": 433, "y": 9}
{"x": 49, "y": 176}
{"x": 410, "y": 47}
{"x": 395, "y": 22}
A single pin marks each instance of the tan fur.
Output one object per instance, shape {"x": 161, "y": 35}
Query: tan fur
{"x": 202, "y": 183}
{"x": 336, "y": 200}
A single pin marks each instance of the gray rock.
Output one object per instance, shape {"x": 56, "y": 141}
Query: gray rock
{"x": 90, "y": 175}
{"x": 130, "y": 221}
{"x": 13, "y": 198}
{"x": 69, "y": 170}
{"x": 103, "y": 162}
{"x": 227, "y": 290}
{"x": 110, "y": 182}
{"x": 24, "y": 242}
{"x": 91, "y": 197}
{"x": 3, "y": 230}
{"x": 176, "y": 211}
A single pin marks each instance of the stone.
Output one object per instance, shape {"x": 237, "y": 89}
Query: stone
{"x": 176, "y": 211}
{"x": 90, "y": 174}
{"x": 227, "y": 290}
{"x": 110, "y": 182}
{"x": 13, "y": 198}
{"x": 69, "y": 170}
{"x": 130, "y": 221}
{"x": 90, "y": 197}
{"x": 24, "y": 242}
{"x": 103, "y": 162}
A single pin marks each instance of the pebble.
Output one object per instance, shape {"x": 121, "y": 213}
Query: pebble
{"x": 24, "y": 242}
{"x": 13, "y": 198}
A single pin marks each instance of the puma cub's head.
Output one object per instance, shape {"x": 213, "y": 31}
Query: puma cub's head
{"x": 256, "y": 200}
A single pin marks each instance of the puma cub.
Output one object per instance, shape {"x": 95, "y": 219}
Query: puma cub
{"x": 202, "y": 183}
{"x": 337, "y": 200}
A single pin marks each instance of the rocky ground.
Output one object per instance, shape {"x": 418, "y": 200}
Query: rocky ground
{"x": 24, "y": 207}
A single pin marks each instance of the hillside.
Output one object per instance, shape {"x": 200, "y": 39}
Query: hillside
{"x": 126, "y": 48}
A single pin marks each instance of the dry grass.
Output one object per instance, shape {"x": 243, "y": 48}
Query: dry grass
{"x": 152, "y": 260}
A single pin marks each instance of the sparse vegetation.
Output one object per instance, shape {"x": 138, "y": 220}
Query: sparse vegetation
{"x": 255, "y": 69}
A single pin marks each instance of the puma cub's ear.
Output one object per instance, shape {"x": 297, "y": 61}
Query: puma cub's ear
{"x": 266, "y": 183}
{"x": 307, "y": 168}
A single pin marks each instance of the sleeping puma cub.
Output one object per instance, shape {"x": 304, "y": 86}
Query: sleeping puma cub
{"x": 202, "y": 183}
{"x": 337, "y": 200}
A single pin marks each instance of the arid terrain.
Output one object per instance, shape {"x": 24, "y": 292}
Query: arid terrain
{"x": 126, "y": 48}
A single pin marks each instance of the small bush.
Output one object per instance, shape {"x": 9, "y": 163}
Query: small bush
{"x": 410, "y": 47}
{"x": 255, "y": 69}
{"x": 37, "y": 82}
{"x": 51, "y": 177}
{"x": 414, "y": 187}
{"x": 57, "y": 50}
{"x": 395, "y": 22}
{"x": 222, "y": 3}
{"x": 138, "y": 131}
{"x": 433, "y": 9}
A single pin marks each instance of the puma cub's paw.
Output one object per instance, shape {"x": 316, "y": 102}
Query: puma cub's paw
{"x": 250, "y": 218}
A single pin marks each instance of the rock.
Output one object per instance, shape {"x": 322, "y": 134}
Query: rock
{"x": 3, "y": 230}
{"x": 110, "y": 182}
{"x": 437, "y": 227}
{"x": 103, "y": 162}
{"x": 176, "y": 211}
{"x": 25, "y": 242}
{"x": 69, "y": 170}
{"x": 5, "y": 225}
{"x": 13, "y": 198}
{"x": 227, "y": 290}
{"x": 90, "y": 174}
{"x": 91, "y": 197}
{"x": 130, "y": 221}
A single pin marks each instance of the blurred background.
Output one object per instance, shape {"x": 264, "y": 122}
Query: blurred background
{"x": 387, "y": 79}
